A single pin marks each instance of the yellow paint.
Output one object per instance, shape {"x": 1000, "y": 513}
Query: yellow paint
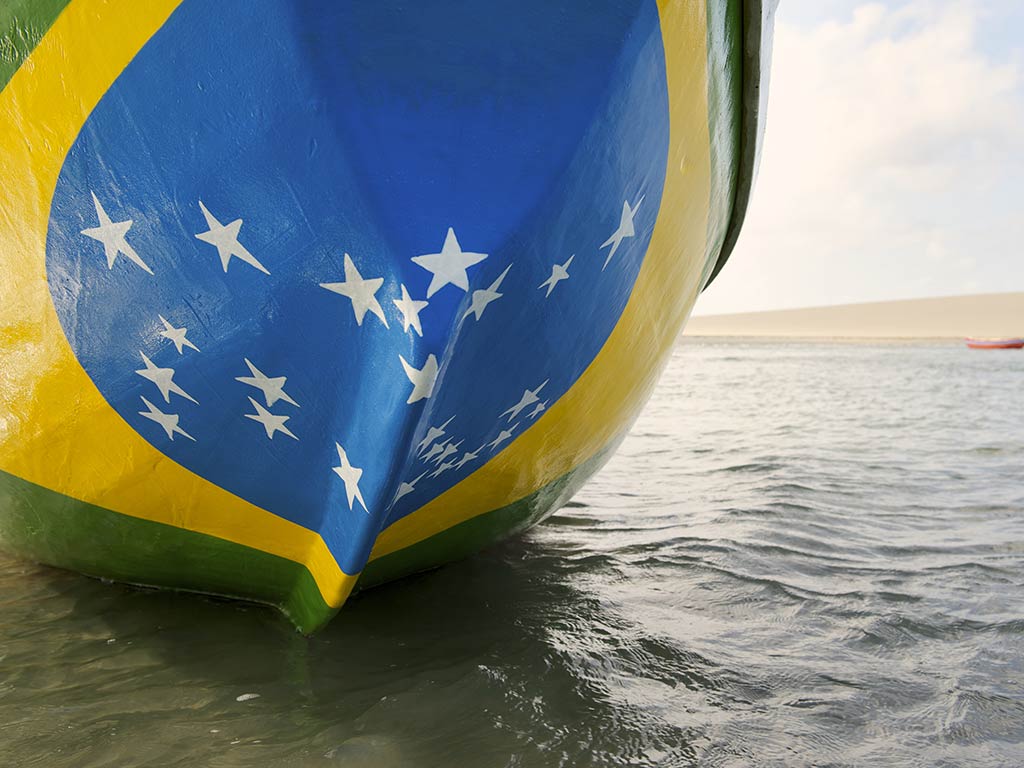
{"x": 609, "y": 394}
{"x": 56, "y": 429}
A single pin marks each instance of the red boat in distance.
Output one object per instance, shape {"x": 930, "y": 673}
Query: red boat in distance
{"x": 994, "y": 343}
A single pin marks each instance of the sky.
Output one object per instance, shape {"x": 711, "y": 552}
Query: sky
{"x": 893, "y": 163}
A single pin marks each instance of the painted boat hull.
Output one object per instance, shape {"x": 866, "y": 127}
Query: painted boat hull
{"x": 349, "y": 290}
{"x": 995, "y": 343}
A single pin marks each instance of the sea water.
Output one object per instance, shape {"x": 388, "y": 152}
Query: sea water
{"x": 805, "y": 554}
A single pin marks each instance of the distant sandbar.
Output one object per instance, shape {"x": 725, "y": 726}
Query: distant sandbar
{"x": 982, "y": 315}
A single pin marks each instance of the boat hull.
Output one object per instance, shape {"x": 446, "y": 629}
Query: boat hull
{"x": 393, "y": 303}
{"x": 995, "y": 343}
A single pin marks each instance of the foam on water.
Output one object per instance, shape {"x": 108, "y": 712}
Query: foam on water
{"x": 804, "y": 554}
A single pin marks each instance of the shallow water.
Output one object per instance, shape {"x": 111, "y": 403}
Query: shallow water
{"x": 804, "y": 554}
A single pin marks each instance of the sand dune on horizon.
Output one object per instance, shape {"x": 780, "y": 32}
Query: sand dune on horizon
{"x": 980, "y": 315}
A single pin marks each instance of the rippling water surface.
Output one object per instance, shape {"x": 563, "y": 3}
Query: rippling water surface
{"x": 804, "y": 554}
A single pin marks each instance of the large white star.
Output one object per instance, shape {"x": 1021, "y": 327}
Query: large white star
{"x": 271, "y": 387}
{"x": 529, "y": 397}
{"x": 449, "y": 266}
{"x": 422, "y": 378}
{"x": 625, "y": 229}
{"x": 559, "y": 272}
{"x": 432, "y": 434}
{"x": 169, "y": 421}
{"x": 361, "y": 292}
{"x": 164, "y": 380}
{"x": 112, "y": 235}
{"x": 225, "y": 239}
{"x": 271, "y": 422}
{"x": 177, "y": 336}
{"x": 410, "y": 310}
{"x": 483, "y": 297}
{"x": 350, "y": 475}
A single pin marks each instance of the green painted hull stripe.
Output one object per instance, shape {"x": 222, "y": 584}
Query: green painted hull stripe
{"x": 51, "y": 528}
{"x": 23, "y": 24}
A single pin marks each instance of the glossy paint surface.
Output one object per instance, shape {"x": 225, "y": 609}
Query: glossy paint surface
{"x": 530, "y": 161}
{"x": 350, "y": 152}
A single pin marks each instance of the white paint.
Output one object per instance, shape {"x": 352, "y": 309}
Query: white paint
{"x": 362, "y": 292}
{"x": 404, "y": 489}
{"x": 625, "y": 229}
{"x": 529, "y": 398}
{"x": 422, "y": 378}
{"x": 169, "y": 421}
{"x": 350, "y": 476}
{"x": 449, "y": 266}
{"x": 448, "y": 451}
{"x": 432, "y": 434}
{"x": 272, "y": 387}
{"x": 559, "y": 272}
{"x": 272, "y": 423}
{"x": 177, "y": 336}
{"x": 113, "y": 236}
{"x": 504, "y": 435}
{"x": 164, "y": 380}
{"x": 485, "y": 296}
{"x": 225, "y": 239}
{"x": 410, "y": 309}
{"x": 539, "y": 409}
{"x": 435, "y": 451}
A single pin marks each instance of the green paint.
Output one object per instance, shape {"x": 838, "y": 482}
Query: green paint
{"x": 51, "y": 528}
{"x": 23, "y": 24}
{"x": 725, "y": 42}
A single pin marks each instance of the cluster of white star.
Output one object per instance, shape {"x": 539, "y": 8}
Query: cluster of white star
{"x": 449, "y": 266}
{"x": 443, "y": 453}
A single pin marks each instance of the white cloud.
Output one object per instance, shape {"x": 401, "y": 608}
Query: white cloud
{"x": 893, "y": 164}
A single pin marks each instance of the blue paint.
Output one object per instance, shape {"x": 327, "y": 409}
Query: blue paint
{"x": 366, "y": 128}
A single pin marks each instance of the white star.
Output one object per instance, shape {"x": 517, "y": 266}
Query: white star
{"x": 404, "y": 489}
{"x": 529, "y": 398}
{"x": 225, "y": 240}
{"x": 484, "y": 297}
{"x": 625, "y": 229}
{"x": 538, "y": 410}
{"x": 177, "y": 336}
{"x": 448, "y": 451}
{"x": 271, "y": 422}
{"x": 432, "y": 434}
{"x": 436, "y": 450}
{"x": 169, "y": 421}
{"x": 559, "y": 272}
{"x": 422, "y": 378}
{"x": 449, "y": 266}
{"x": 443, "y": 468}
{"x": 112, "y": 235}
{"x": 468, "y": 456}
{"x": 164, "y": 380}
{"x": 410, "y": 310}
{"x": 350, "y": 475}
{"x": 272, "y": 387}
{"x": 361, "y": 292}
{"x": 504, "y": 435}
